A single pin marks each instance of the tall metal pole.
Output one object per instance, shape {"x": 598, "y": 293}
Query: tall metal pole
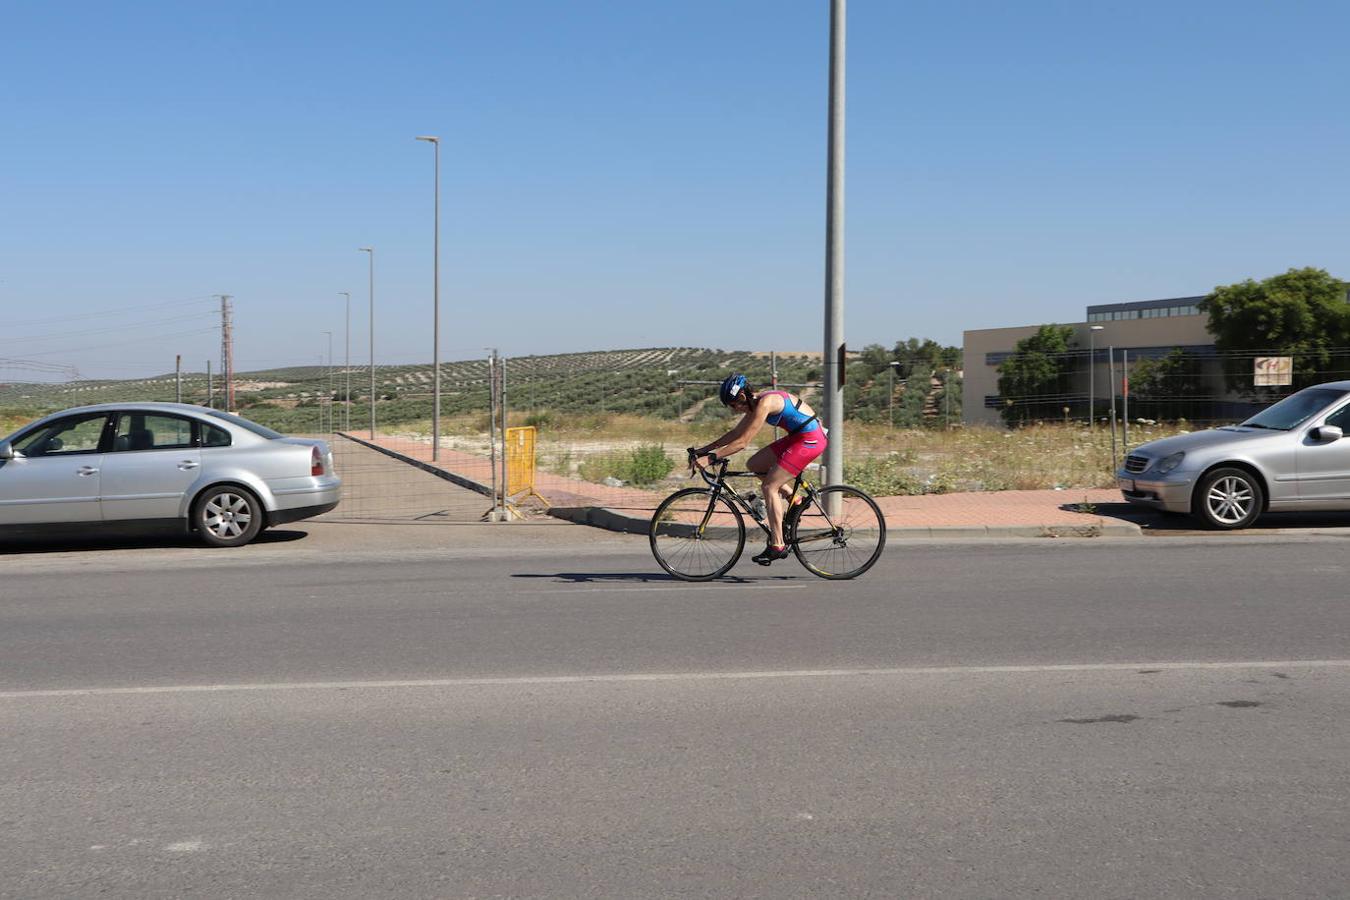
{"x": 1125, "y": 402}
{"x": 227, "y": 353}
{"x": 347, "y": 368}
{"x": 1092, "y": 375}
{"x": 492, "y": 427}
{"x": 834, "y": 254}
{"x": 501, "y": 373}
{"x": 436, "y": 309}
{"x": 210, "y": 388}
{"x": 331, "y": 429}
{"x": 1111, "y": 353}
{"x": 178, "y": 377}
{"x": 371, "y": 251}
{"x": 890, "y": 397}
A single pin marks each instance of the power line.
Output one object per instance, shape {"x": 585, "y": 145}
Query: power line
{"x": 106, "y": 328}
{"x": 152, "y": 337}
{"x": 105, "y": 313}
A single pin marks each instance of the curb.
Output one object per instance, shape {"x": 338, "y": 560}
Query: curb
{"x": 610, "y": 520}
{"x": 600, "y": 517}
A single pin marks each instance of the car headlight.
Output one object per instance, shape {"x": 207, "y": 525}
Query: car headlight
{"x": 1168, "y": 463}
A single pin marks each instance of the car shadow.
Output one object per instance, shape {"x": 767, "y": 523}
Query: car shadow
{"x": 639, "y": 578}
{"x": 1157, "y": 522}
{"x": 28, "y": 544}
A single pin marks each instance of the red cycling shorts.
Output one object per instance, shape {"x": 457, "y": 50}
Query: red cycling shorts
{"x": 796, "y": 451}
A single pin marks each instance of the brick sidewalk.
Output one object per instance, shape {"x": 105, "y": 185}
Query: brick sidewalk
{"x": 991, "y": 512}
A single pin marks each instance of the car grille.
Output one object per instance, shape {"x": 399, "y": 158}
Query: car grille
{"x": 1136, "y": 464}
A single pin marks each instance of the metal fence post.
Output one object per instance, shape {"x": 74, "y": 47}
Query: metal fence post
{"x": 1125, "y": 401}
{"x": 492, "y": 428}
{"x": 1114, "y": 462}
{"x": 501, "y": 373}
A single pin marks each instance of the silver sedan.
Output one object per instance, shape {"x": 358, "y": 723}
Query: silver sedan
{"x": 1290, "y": 456}
{"x": 155, "y": 464}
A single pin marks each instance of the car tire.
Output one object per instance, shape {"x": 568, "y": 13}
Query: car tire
{"x": 227, "y": 516}
{"x": 1228, "y": 498}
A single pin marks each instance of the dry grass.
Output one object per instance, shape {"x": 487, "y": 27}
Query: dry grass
{"x": 991, "y": 459}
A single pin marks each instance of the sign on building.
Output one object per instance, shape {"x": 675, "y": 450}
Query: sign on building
{"x": 1273, "y": 371}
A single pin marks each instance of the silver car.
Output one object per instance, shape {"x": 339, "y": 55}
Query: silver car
{"x": 155, "y": 464}
{"x": 1290, "y": 456}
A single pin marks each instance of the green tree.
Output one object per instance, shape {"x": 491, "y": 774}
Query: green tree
{"x": 1167, "y": 388}
{"x": 1033, "y": 380}
{"x": 1303, "y": 313}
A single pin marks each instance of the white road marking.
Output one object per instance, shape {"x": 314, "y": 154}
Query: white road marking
{"x": 620, "y": 678}
{"x": 186, "y": 847}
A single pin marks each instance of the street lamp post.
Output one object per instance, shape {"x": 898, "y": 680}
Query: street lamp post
{"x": 890, "y": 398}
{"x": 1092, "y": 376}
{"x": 436, "y": 306}
{"x": 331, "y": 429}
{"x": 347, "y": 368}
{"x": 833, "y": 363}
{"x": 371, "y": 251}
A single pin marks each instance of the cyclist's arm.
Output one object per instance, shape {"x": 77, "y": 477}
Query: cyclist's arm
{"x": 738, "y": 438}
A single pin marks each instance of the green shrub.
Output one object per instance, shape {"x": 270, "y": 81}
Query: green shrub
{"x": 646, "y": 465}
{"x": 649, "y": 464}
{"x": 542, "y": 419}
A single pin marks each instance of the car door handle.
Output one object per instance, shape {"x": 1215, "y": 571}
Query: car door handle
{"x": 188, "y": 464}
{"x": 86, "y": 470}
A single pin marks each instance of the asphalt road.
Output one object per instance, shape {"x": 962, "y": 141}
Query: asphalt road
{"x": 478, "y": 712}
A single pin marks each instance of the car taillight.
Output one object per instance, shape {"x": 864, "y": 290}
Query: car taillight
{"x": 315, "y": 461}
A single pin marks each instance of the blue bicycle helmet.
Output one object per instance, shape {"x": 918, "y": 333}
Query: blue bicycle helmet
{"x": 734, "y": 384}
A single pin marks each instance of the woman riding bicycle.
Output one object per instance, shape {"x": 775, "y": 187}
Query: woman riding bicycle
{"x": 778, "y": 463}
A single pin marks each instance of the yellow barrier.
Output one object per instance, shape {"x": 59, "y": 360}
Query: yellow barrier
{"x": 520, "y": 462}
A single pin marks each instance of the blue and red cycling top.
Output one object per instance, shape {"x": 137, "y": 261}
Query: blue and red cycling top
{"x": 791, "y": 419}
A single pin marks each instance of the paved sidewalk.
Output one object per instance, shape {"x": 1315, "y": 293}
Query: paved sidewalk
{"x": 1066, "y": 513}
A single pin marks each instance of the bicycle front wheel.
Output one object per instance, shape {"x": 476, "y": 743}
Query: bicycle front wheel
{"x": 697, "y": 535}
{"x": 838, "y": 534}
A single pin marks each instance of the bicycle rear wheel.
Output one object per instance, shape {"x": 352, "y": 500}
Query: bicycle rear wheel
{"x": 696, "y": 535}
{"x": 842, "y": 542}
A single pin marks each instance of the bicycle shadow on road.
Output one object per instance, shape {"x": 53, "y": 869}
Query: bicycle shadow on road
{"x": 641, "y": 578}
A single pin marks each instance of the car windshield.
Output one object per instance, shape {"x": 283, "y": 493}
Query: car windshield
{"x": 1295, "y": 409}
{"x": 245, "y": 424}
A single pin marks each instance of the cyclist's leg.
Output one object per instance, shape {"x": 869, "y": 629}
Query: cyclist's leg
{"x": 763, "y": 462}
{"x": 775, "y": 481}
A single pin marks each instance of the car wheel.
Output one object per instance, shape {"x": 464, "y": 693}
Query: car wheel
{"x": 228, "y": 516}
{"x": 1229, "y": 498}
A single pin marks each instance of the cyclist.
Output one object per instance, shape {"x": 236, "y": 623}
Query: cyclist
{"x": 776, "y": 464}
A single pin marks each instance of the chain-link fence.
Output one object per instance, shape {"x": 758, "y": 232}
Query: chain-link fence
{"x": 1199, "y": 386}
{"x": 609, "y": 429}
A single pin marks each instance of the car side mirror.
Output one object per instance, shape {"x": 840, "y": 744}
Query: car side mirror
{"x": 6, "y": 450}
{"x": 1328, "y": 433}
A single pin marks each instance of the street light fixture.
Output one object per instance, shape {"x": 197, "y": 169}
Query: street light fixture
{"x": 1092, "y": 375}
{"x": 436, "y": 305}
{"x": 371, "y": 251}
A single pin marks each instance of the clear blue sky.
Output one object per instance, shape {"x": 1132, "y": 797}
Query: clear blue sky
{"x": 630, "y": 174}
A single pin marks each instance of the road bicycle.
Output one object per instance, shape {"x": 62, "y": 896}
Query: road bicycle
{"x": 698, "y": 534}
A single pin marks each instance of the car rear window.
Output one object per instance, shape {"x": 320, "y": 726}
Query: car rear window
{"x": 254, "y": 427}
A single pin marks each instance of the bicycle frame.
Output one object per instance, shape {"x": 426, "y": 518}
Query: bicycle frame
{"x": 719, "y": 486}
